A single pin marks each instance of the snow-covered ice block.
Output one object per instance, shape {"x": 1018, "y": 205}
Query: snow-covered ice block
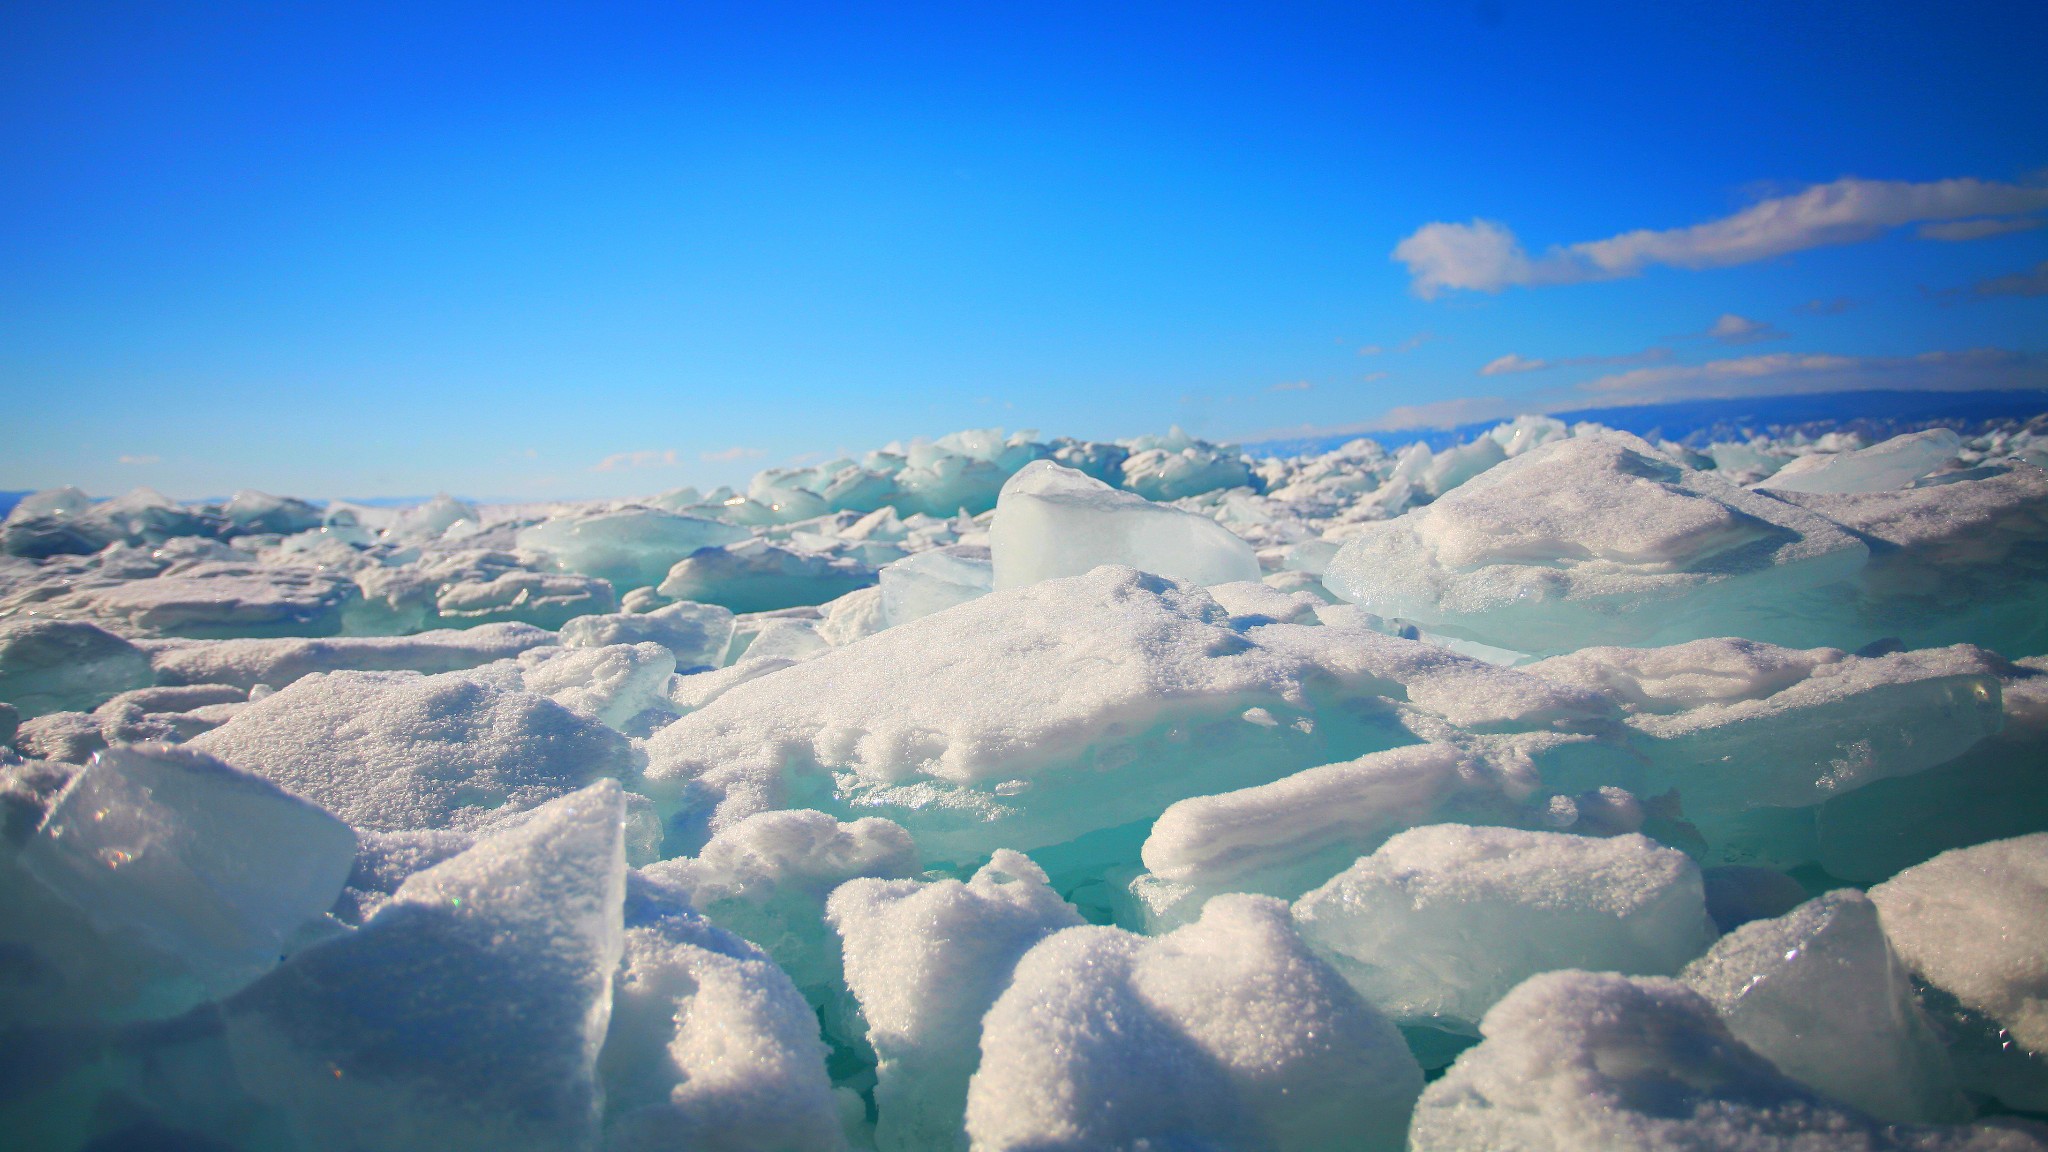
{"x": 1031, "y": 716}
{"x": 767, "y": 879}
{"x": 1821, "y": 994}
{"x": 389, "y": 751}
{"x": 217, "y": 600}
{"x": 925, "y": 962}
{"x": 614, "y": 684}
{"x": 698, "y": 634}
{"x": 1598, "y": 539}
{"x": 209, "y": 864}
{"x": 631, "y": 548}
{"x": 1170, "y": 470}
{"x": 927, "y": 582}
{"x": 1439, "y": 923}
{"x": 1583, "y": 1060}
{"x": 66, "y": 665}
{"x": 1964, "y": 560}
{"x": 792, "y": 640}
{"x": 250, "y": 511}
{"x": 758, "y": 575}
{"x": 1733, "y": 725}
{"x": 1053, "y": 521}
{"x": 1257, "y": 835}
{"x": 1893, "y": 464}
{"x": 1973, "y": 924}
{"x": 280, "y": 661}
{"x": 1227, "y": 1033}
{"x": 710, "y": 1047}
{"x": 468, "y": 1012}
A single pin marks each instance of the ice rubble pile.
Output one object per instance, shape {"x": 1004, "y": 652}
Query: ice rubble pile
{"x": 1557, "y": 789}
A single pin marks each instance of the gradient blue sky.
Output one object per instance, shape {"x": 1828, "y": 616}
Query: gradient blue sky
{"x": 379, "y": 249}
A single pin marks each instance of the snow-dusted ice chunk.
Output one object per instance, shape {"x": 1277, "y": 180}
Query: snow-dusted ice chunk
{"x": 1227, "y": 1033}
{"x": 1893, "y": 464}
{"x": 710, "y": 1047}
{"x": 1438, "y": 924}
{"x": 1596, "y": 539}
{"x": 253, "y": 511}
{"x": 396, "y": 750}
{"x": 927, "y": 582}
{"x": 1177, "y": 465}
{"x": 760, "y": 576}
{"x": 280, "y": 661}
{"x": 632, "y": 547}
{"x": 468, "y": 1012}
{"x": 925, "y": 962}
{"x": 613, "y": 684}
{"x": 211, "y": 865}
{"x": 66, "y": 665}
{"x": 1031, "y": 716}
{"x": 1973, "y": 922}
{"x": 1821, "y": 994}
{"x": 1053, "y": 521}
{"x": 1235, "y": 837}
{"x": 698, "y": 634}
{"x": 767, "y": 879}
{"x": 218, "y": 599}
{"x": 1584, "y": 1060}
{"x": 1831, "y": 722}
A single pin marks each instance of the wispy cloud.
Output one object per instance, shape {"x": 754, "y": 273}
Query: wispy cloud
{"x": 1781, "y": 373}
{"x": 1733, "y": 329}
{"x": 1834, "y": 307}
{"x": 620, "y": 461}
{"x": 1408, "y": 345}
{"x": 140, "y": 459}
{"x": 1513, "y": 363}
{"x": 1485, "y": 256}
{"x": 1959, "y": 230}
{"x": 2033, "y": 282}
{"x": 1292, "y": 386}
{"x": 736, "y": 452}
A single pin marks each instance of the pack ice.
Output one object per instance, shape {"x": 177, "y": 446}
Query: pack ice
{"x": 1556, "y": 788}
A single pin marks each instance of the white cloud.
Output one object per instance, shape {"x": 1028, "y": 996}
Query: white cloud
{"x": 140, "y": 459}
{"x": 1733, "y": 329}
{"x": 1780, "y": 373}
{"x": 2033, "y": 282}
{"x": 1834, "y": 307}
{"x": 1511, "y": 363}
{"x": 1960, "y": 230}
{"x": 736, "y": 452}
{"x": 1484, "y": 256}
{"x": 1295, "y": 386}
{"x": 647, "y": 458}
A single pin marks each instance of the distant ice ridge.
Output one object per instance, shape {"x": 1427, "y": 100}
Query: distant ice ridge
{"x": 997, "y": 793}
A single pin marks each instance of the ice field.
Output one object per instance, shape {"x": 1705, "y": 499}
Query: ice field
{"x": 1558, "y": 789}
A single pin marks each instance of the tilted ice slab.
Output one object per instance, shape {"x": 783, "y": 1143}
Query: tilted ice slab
{"x": 698, "y": 634}
{"x": 1893, "y": 464}
{"x": 1734, "y": 725}
{"x": 1596, "y": 539}
{"x": 1962, "y": 560}
{"x": 760, "y": 576}
{"x": 281, "y": 661}
{"x": 211, "y": 865}
{"x": 925, "y": 962}
{"x": 65, "y": 665}
{"x": 1030, "y": 716}
{"x": 1581, "y": 1060}
{"x": 1973, "y": 924}
{"x": 614, "y": 685}
{"x": 396, "y": 750}
{"x": 631, "y": 548}
{"x": 1439, "y": 923}
{"x": 710, "y": 1047}
{"x": 927, "y": 582}
{"x": 767, "y": 879}
{"x": 1053, "y": 521}
{"x": 1226, "y": 1033}
{"x": 468, "y": 1012}
{"x": 1820, "y": 993}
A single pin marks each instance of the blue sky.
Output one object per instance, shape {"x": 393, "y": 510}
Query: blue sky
{"x": 381, "y": 249}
